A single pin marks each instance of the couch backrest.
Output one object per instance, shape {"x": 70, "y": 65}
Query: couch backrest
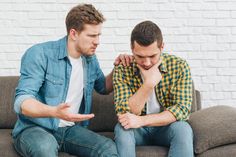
{"x": 103, "y": 108}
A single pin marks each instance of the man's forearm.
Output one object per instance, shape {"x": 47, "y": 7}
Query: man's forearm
{"x": 36, "y": 109}
{"x": 159, "y": 119}
{"x": 138, "y": 100}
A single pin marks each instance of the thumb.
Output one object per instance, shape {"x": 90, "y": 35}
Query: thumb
{"x": 64, "y": 105}
{"x": 116, "y": 62}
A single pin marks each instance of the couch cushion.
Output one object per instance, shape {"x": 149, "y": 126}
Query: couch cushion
{"x": 7, "y": 92}
{"x": 227, "y": 151}
{"x": 212, "y": 127}
{"x": 6, "y": 147}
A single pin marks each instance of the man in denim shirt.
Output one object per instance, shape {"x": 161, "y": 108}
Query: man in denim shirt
{"x": 55, "y": 91}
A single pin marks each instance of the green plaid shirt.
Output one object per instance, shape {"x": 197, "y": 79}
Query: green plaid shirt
{"x": 173, "y": 92}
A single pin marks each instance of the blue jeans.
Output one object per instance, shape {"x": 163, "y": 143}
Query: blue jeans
{"x": 75, "y": 140}
{"x": 178, "y": 136}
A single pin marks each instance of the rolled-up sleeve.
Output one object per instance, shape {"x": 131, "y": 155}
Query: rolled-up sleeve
{"x": 32, "y": 76}
{"x": 19, "y": 100}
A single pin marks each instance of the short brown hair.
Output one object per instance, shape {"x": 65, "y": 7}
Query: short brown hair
{"x": 83, "y": 14}
{"x": 145, "y": 33}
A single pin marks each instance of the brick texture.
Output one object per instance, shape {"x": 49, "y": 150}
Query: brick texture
{"x": 203, "y": 32}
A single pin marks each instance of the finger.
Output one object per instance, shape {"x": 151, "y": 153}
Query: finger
{"x": 87, "y": 115}
{"x": 86, "y": 118}
{"x": 79, "y": 120}
{"x": 117, "y": 61}
{"x": 81, "y": 116}
{"x": 123, "y": 124}
{"x": 127, "y": 127}
{"x": 122, "y": 120}
{"x": 131, "y": 59}
{"x": 127, "y": 60}
{"x": 121, "y": 116}
{"x": 64, "y": 105}
{"x": 123, "y": 60}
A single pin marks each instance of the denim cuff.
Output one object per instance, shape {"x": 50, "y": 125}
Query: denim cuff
{"x": 18, "y": 102}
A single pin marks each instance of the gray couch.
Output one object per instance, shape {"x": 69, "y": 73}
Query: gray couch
{"x": 105, "y": 120}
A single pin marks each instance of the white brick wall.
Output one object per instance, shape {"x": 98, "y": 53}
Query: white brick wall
{"x": 201, "y": 31}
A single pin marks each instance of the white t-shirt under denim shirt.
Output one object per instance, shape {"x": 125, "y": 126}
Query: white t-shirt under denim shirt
{"x": 75, "y": 90}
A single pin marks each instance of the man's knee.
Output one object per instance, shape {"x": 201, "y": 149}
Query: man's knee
{"x": 108, "y": 149}
{"x": 124, "y": 137}
{"x": 120, "y": 130}
{"x": 118, "y": 127}
{"x": 36, "y": 142}
{"x": 182, "y": 132}
{"x": 45, "y": 150}
{"x": 122, "y": 133}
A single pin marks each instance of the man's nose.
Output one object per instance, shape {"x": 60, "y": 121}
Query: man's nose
{"x": 96, "y": 40}
{"x": 146, "y": 62}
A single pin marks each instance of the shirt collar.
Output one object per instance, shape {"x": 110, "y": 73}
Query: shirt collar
{"x": 63, "y": 48}
{"x": 64, "y": 53}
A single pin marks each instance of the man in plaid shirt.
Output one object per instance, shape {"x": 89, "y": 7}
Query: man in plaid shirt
{"x": 153, "y": 97}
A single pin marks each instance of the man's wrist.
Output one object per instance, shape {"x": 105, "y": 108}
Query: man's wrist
{"x": 52, "y": 110}
{"x": 142, "y": 121}
{"x": 148, "y": 86}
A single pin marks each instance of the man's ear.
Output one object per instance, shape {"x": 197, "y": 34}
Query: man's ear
{"x": 162, "y": 46}
{"x": 73, "y": 33}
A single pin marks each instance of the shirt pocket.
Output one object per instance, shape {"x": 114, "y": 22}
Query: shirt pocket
{"x": 52, "y": 86}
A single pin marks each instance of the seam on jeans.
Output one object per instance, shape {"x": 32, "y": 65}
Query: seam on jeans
{"x": 18, "y": 151}
{"x": 90, "y": 147}
{"x": 61, "y": 141}
{"x": 26, "y": 144}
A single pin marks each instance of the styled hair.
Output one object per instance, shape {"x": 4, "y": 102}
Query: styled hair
{"x": 145, "y": 33}
{"x": 83, "y": 14}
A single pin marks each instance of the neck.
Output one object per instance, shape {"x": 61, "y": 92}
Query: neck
{"x": 72, "y": 52}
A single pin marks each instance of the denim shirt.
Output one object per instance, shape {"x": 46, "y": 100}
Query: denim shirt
{"x": 45, "y": 75}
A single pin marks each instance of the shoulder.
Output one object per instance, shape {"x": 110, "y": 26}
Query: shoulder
{"x": 41, "y": 50}
{"x": 125, "y": 71}
{"x": 169, "y": 58}
{"x": 175, "y": 62}
{"x": 34, "y": 52}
